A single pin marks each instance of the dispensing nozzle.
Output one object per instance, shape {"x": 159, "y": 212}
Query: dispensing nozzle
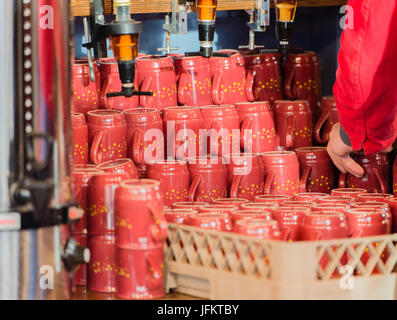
{"x": 285, "y": 14}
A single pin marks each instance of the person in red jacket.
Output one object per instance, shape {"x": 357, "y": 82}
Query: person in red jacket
{"x": 366, "y": 84}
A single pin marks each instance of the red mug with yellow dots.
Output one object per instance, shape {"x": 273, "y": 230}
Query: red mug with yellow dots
{"x": 107, "y": 135}
{"x": 258, "y": 133}
{"x": 140, "y": 272}
{"x": 289, "y": 220}
{"x": 101, "y": 212}
{"x": 174, "y": 179}
{"x": 245, "y": 175}
{"x": 302, "y": 80}
{"x": 156, "y": 74}
{"x": 80, "y": 184}
{"x": 111, "y": 83}
{"x": 259, "y": 228}
{"x": 374, "y": 197}
{"x": 211, "y": 221}
{"x": 293, "y": 124}
{"x": 250, "y": 214}
{"x": 229, "y": 82}
{"x": 85, "y": 92}
{"x": 178, "y": 216}
{"x": 266, "y": 75}
{"x": 101, "y": 276}
{"x": 208, "y": 179}
{"x": 145, "y": 137}
{"x": 317, "y": 174}
{"x": 281, "y": 173}
{"x": 223, "y": 126}
{"x": 194, "y": 81}
{"x": 376, "y": 173}
{"x": 80, "y": 139}
{"x": 329, "y": 117}
{"x": 182, "y": 132}
{"x": 80, "y": 275}
{"x": 120, "y": 166}
{"x": 145, "y": 224}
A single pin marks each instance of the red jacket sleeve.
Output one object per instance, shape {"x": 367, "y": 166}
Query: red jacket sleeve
{"x": 366, "y": 82}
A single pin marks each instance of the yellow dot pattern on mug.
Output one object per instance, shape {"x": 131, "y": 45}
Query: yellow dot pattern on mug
{"x": 200, "y": 87}
{"x": 89, "y": 96}
{"x": 309, "y": 85}
{"x": 81, "y": 151}
{"x": 236, "y": 87}
{"x": 272, "y": 85}
{"x": 101, "y": 267}
{"x": 121, "y": 272}
{"x": 286, "y": 187}
{"x": 122, "y": 223}
{"x": 95, "y": 210}
{"x": 395, "y": 189}
{"x": 210, "y": 194}
{"x": 305, "y": 133}
{"x": 265, "y": 135}
{"x": 253, "y": 190}
{"x": 169, "y": 94}
{"x": 114, "y": 150}
{"x": 176, "y": 195}
{"x": 321, "y": 182}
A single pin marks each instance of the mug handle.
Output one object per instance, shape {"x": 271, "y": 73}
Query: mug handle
{"x": 250, "y": 84}
{"x": 86, "y": 80}
{"x": 193, "y": 188}
{"x": 214, "y": 146}
{"x": 269, "y": 181}
{"x": 289, "y": 137}
{"x": 342, "y": 180}
{"x": 137, "y": 140}
{"x": 286, "y": 235}
{"x": 288, "y": 90}
{"x": 217, "y": 95}
{"x": 315, "y": 236}
{"x": 96, "y": 155}
{"x": 182, "y": 93}
{"x": 234, "y": 188}
{"x": 245, "y": 125}
{"x": 317, "y": 130}
{"x": 106, "y": 103}
{"x": 305, "y": 178}
{"x": 159, "y": 230}
{"x": 145, "y": 86}
{"x": 155, "y": 278}
{"x": 381, "y": 180}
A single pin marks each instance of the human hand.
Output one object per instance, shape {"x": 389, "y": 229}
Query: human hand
{"x": 340, "y": 154}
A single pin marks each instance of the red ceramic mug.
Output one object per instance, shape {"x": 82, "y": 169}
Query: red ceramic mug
{"x": 156, "y": 74}
{"x": 101, "y": 275}
{"x": 194, "y": 81}
{"x": 331, "y": 208}
{"x": 374, "y": 197}
{"x": 230, "y": 84}
{"x": 246, "y": 214}
{"x": 218, "y": 208}
{"x": 282, "y": 173}
{"x": 265, "y": 71}
{"x": 80, "y": 139}
{"x": 376, "y": 173}
{"x": 111, "y": 83}
{"x": 306, "y": 204}
{"x": 329, "y": 117}
{"x": 348, "y": 192}
{"x": 293, "y": 124}
{"x": 101, "y": 193}
{"x": 289, "y": 220}
{"x": 174, "y": 179}
{"x": 259, "y": 206}
{"x": 189, "y": 205}
{"x": 258, "y": 133}
{"x": 302, "y": 80}
{"x": 393, "y": 207}
{"x": 182, "y": 132}
{"x": 395, "y": 178}
{"x": 232, "y": 201}
{"x": 323, "y": 226}
{"x": 85, "y": 92}
{"x": 336, "y": 200}
{"x": 178, "y": 216}
{"x": 262, "y": 229}
{"x": 208, "y": 179}
{"x": 80, "y": 275}
{"x": 245, "y": 175}
{"x": 317, "y": 173}
{"x": 107, "y": 135}
{"x": 309, "y": 196}
{"x": 373, "y": 205}
{"x": 211, "y": 221}
{"x": 223, "y": 126}
{"x": 145, "y": 136}
{"x": 145, "y": 224}
{"x": 80, "y": 184}
{"x": 125, "y": 167}
{"x": 277, "y": 199}
{"x": 140, "y": 272}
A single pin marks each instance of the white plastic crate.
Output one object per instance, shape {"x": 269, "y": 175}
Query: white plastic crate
{"x": 220, "y": 265}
